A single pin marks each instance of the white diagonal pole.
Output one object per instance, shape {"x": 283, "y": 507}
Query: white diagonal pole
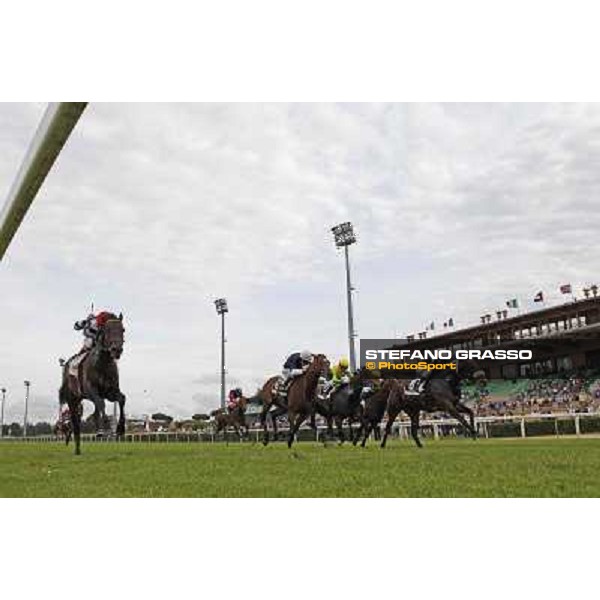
{"x": 53, "y": 131}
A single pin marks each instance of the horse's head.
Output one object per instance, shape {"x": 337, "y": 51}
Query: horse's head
{"x": 469, "y": 369}
{"x": 112, "y": 336}
{"x": 320, "y": 365}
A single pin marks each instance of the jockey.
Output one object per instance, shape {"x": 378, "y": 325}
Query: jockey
{"x": 65, "y": 414}
{"x": 91, "y": 326}
{"x": 369, "y": 383}
{"x": 233, "y": 399}
{"x": 295, "y": 365}
{"x": 338, "y": 376}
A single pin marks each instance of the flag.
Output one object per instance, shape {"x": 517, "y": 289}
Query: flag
{"x": 539, "y": 297}
{"x": 450, "y": 322}
{"x": 512, "y": 303}
{"x": 565, "y": 289}
{"x": 432, "y": 326}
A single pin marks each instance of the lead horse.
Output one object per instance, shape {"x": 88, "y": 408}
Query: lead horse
{"x": 97, "y": 378}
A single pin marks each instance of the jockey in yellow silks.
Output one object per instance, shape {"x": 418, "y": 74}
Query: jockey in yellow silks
{"x": 338, "y": 375}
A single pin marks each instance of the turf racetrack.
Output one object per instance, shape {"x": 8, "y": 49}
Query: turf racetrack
{"x": 531, "y": 467}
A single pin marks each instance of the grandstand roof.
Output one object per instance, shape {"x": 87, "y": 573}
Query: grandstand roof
{"x": 585, "y": 312}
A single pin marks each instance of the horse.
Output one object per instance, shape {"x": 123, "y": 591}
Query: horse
{"x": 440, "y": 395}
{"x": 344, "y": 403}
{"x": 301, "y": 393}
{"x": 236, "y": 418}
{"x": 97, "y": 378}
{"x": 385, "y": 398}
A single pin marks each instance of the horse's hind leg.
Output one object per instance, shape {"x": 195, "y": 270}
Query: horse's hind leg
{"x": 463, "y": 408}
{"x": 299, "y": 419}
{"x": 388, "y": 427}
{"x": 453, "y": 412}
{"x": 414, "y": 427}
{"x": 367, "y": 431}
{"x": 74, "y": 408}
{"x": 238, "y": 431}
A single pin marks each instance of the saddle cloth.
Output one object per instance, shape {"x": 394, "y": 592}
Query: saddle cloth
{"x": 415, "y": 387}
{"x": 74, "y": 363}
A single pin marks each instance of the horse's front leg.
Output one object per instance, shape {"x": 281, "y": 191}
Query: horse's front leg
{"x": 367, "y": 427}
{"x": 274, "y": 423}
{"x": 263, "y": 421}
{"x": 99, "y": 412}
{"x": 339, "y": 424}
{"x": 121, "y": 424}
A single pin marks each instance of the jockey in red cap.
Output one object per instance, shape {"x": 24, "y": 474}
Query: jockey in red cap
{"x": 233, "y": 399}
{"x": 91, "y": 326}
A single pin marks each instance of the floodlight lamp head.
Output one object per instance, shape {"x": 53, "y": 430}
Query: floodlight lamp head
{"x": 221, "y": 306}
{"x": 343, "y": 234}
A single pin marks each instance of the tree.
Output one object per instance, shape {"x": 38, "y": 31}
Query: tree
{"x": 200, "y": 417}
{"x": 162, "y": 417}
{"x": 15, "y": 430}
{"x": 42, "y": 428}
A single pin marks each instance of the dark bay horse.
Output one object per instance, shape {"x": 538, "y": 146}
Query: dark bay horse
{"x": 236, "y": 418}
{"x": 97, "y": 378}
{"x": 442, "y": 394}
{"x": 301, "y": 394}
{"x": 344, "y": 403}
{"x": 386, "y": 398}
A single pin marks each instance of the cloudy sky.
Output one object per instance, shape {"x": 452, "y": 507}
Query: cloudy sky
{"x": 155, "y": 210}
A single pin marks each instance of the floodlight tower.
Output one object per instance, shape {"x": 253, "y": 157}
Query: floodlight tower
{"x": 3, "y": 390}
{"x": 221, "y": 305}
{"x": 27, "y": 385}
{"x": 344, "y": 236}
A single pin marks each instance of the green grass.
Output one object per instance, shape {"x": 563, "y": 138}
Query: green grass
{"x": 447, "y": 468}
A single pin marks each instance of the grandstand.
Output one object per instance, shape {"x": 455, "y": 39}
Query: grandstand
{"x": 564, "y": 375}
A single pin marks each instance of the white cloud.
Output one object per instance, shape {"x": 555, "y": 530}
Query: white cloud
{"x": 158, "y": 209}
